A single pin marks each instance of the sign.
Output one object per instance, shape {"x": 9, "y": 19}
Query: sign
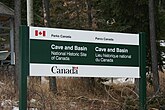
{"x": 63, "y": 52}
{"x": 75, "y": 53}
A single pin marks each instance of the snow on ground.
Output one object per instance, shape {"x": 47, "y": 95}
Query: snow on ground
{"x": 119, "y": 81}
{"x": 15, "y": 108}
{"x": 10, "y": 105}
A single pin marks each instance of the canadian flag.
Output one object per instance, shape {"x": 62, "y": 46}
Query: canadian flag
{"x": 40, "y": 33}
{"x": 75, "y": 68}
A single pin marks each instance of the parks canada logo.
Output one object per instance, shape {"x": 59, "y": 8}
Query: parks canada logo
{"x": 57, "y": 70}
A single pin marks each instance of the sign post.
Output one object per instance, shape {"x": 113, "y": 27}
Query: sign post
{"x": 24, "y": 66}
{"x": 75, "y": 53}
{"x": 142, "y": 82}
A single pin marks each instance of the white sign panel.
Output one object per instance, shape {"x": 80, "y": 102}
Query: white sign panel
{"x": 75, "y": 53}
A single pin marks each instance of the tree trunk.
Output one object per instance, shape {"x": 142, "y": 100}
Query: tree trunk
{"x": 30, "y": 20}
{"x": 78, "y": 14}
{"x": 89, "y": 82}
{"x": 46, "y": 12}
{"x": 89, "y": 12}
{"x": 154, "y": 62}
{"x": 17, "y": 23}
{"x": 163, "y": 4}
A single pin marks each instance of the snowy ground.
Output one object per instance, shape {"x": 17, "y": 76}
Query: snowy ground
{"x": 11, "y": 105}
{"x": 15, "y": 108}
{"x": 8, "y": 105}
{"x": 119, "y": 81}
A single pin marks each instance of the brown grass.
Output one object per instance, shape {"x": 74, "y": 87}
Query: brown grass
{"x": 72, "y": 95}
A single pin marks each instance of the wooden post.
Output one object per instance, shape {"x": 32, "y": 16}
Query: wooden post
{"x": 12, "y": 41}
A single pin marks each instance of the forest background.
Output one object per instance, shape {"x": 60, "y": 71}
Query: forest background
{"x": 131, "y": 16}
